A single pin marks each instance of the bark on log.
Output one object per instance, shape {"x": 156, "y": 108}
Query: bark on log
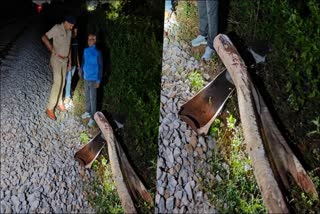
{"x": 135, "y": 185}
{"x": 126, "y": 200}
{"x": 270, "y": 189}
{"x": 282, "y": 156}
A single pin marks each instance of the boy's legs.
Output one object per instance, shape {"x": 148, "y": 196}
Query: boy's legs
{"x": 87, "y": 95}
{"x": 93, "y": 99}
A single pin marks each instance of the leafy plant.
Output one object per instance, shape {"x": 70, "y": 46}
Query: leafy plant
{"x": 316, "y": 122}
{"x": 231, "y": 122}
{"x": 115, "y": 9}
{"x": 214, "y": 128}
{"x": 84, "y": 138}
{"x": 197, "y": 81}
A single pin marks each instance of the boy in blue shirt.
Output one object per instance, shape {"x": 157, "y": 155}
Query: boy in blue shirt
{"x": 91, "y": 70}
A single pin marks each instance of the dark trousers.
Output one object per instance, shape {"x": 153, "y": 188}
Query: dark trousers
{"x": 208, "y": 14}
{"x": 91, "y": 97}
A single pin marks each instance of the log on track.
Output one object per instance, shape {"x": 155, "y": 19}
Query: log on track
{"x": 127, "y": 182}
{"x": 270, "y": 189}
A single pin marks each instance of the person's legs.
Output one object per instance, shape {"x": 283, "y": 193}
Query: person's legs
{"x": 57, "y": 80}
{"x": 93, "y": 99}
{"x": 63, "y": 76}
{"x": 203, "y": 18}
{"x": 203, "y": 25}
{"x": 212, "y": 14}
{"x": 87, "y": 95}
{"x": 69, "y": 76}
{"x": 93, "y": 102}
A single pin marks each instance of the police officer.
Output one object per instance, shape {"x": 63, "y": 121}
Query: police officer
{"x": 60, "y": 55}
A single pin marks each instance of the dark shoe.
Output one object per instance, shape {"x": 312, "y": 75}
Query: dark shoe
{"x": 50, "y": 114}
{"x": 61, "y": 108}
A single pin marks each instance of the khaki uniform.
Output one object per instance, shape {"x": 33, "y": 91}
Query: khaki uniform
{"x": 59, "y": 61}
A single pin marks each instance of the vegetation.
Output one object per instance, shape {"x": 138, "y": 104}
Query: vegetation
{"x": 237, "y": 191}
{"x": 196, "y": 80}
{"x": 303, "y": 203}
{"x": 84, "y": 138}
{"x": 134, "y": 85}
{"x": 291, "y": 29}
{"x": 187, "y": 14}
{"x": 104, "y": 196}
{"x": 316, "y": 122}
{"x": 295, "y": 38}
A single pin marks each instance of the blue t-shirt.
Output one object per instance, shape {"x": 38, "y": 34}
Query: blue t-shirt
{"x": 92, "y": 64}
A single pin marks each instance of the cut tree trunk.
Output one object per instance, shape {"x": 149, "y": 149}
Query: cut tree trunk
{"x": 273, "y": 198}
{"x": 126, "y": 200}
{"x": 129, "y": 179}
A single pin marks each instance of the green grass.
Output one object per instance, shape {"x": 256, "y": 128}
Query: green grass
{"x": 134, "y": 87}
{"x": 291, "y": 75}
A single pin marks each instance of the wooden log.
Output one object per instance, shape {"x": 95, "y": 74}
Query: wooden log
{"x": 282, "y": 156}
{"x": 135, "y": 185}
{"x": 272, "y": 196}
{"x": 126, "y": 200}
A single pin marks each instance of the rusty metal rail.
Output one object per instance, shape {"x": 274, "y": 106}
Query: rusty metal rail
{"x": 203, "y": 108}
